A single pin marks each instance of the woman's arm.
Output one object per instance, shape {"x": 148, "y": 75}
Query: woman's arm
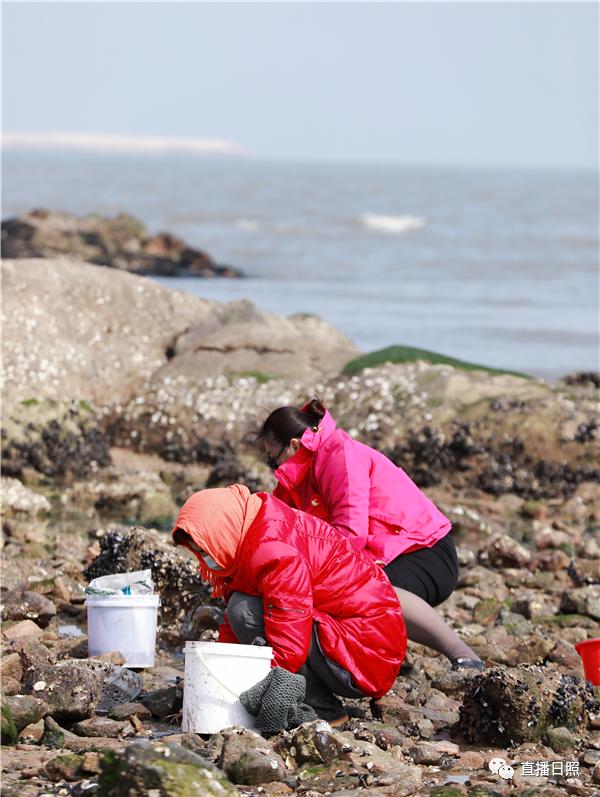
{"x": 284, "y": 582}
{"x": 342, "y": 477}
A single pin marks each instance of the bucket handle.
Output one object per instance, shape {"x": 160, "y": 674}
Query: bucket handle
{"x": 216, "y": 677}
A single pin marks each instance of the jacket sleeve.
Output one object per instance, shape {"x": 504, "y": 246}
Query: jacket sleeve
{"x": 226, "y": 632}
{"x": 342, "y": 476}
{"x": 284, "y": 582}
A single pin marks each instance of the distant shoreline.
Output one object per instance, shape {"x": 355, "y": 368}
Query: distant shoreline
{"x": 114, "y": 142}
{"x": 13, "y": 143}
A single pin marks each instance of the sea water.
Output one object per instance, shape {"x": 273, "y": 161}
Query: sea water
{"x": 495, "y": 266}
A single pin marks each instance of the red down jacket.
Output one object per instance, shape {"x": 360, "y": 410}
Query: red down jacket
{"x": 307, "y": 571}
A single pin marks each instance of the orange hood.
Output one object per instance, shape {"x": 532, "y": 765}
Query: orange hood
{"x": 217, "y": 520}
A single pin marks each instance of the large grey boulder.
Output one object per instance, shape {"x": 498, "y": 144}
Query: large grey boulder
{"x": 72, "y": 331}
{"x": 243, "y": 339}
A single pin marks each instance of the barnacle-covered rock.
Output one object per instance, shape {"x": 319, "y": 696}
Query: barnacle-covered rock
{"x": 56, "y": 438}
{"x": 174, "y": 572}
{"x": 20, "y": 501}
{"x": 70, "y": 691}
{"x": 246, "y": 757}
{"x": 498, "y": 433}
{"x": 582, "y": 600}
{"x": 312, "y": 743}
{"x": 126, "y": 493}
{"x": 510, "y": 706}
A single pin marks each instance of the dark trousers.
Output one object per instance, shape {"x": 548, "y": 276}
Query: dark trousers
{"x": 430, "y": 573}
{"x": 324, "y": 678}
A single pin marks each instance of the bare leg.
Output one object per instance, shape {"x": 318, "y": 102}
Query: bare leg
{"x": 425, "y": 626}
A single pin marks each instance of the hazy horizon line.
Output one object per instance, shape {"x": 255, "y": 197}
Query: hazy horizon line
{"x": 119, "y": 142}
{"x": 151, "y": 145}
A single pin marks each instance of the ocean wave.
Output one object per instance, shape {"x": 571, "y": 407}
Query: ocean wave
{"x": 391, "y": 224}
{"x": 250, "y": 225}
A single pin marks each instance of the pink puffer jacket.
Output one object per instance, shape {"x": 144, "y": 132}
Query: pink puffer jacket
{"x": 360, "y": 492}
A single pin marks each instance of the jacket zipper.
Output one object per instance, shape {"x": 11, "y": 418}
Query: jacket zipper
{"x": 284, "y": 609}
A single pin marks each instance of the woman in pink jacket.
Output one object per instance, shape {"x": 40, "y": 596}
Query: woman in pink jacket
{"x": 321, "y": 470}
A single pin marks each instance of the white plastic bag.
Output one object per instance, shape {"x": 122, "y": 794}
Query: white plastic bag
{"x": 139, "y": 582}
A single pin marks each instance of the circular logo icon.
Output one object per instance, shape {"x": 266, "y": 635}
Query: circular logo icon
{"x": 495, "y": 764}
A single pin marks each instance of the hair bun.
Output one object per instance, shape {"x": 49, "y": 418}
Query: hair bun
{"x": 315, "y": 411}
{"x": 285, "y": 423}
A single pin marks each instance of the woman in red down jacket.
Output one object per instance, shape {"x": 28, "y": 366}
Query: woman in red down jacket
{"x": 328, "y": 611}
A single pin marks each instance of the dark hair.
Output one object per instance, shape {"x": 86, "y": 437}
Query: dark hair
{"x": 181, "y": 537}
{"x": 285, "y": 423}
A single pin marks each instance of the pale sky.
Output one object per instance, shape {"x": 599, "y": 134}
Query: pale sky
{"x": 468, "y": 83}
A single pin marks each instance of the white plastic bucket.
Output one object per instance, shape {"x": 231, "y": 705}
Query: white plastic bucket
{"x": 126, "y": 623}
{"x": 216, "y": 673}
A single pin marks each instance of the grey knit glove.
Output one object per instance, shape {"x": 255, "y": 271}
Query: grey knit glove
{"x": 277, "y": 702}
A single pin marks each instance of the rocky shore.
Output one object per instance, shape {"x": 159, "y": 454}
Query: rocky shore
{"x": 121, "y": 398}
{"x": 120, "y": 242}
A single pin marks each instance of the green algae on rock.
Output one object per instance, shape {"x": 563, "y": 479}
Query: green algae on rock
{"x": 66, "y": 766}
{"x": 8, "y": 729}
{"x": 25, "y": 710}
{"x": 409, "y": 354}
{"x": 172, "y": 770}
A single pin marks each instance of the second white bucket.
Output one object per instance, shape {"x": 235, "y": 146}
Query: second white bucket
{"x": 216, "y": 673}
{"x": 126, "y": 623}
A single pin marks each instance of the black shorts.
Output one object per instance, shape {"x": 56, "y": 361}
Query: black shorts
{"x": 430, "y": 573}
